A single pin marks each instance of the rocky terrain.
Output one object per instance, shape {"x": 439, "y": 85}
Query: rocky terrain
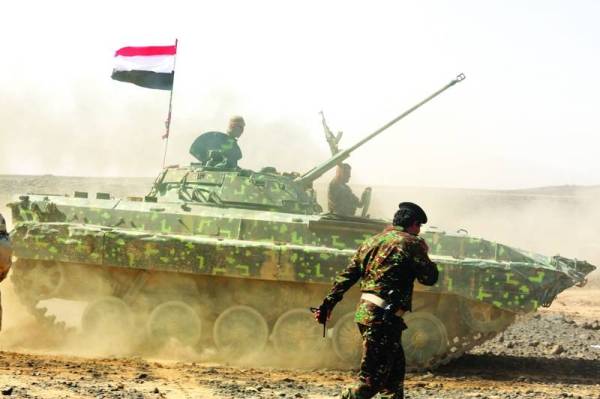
{"x": 552, "y": 353}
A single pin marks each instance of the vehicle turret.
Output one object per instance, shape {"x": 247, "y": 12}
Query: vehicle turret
{"x": 215, "y": 182}
{"x": 309, "y": 177}
{"x": 227, "y": 261}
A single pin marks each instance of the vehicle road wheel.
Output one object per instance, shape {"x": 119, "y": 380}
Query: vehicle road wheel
{"x": 108, "y": 323}
{"x": 297, "y": 334}
{"x": 425, "y": 338}
{"x": 36, "y": 280}
{"x": 483, "y": 317}
{"x": 174, "y": 319}
{"x": 347, "y": 342}
{"x": 240, "y": 331}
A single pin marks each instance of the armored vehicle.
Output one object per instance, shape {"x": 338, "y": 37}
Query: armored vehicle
{"x": 221, "y": 257}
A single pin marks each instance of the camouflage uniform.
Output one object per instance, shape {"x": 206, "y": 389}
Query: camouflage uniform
{"x": 217, "y": 149}
{"x": 5, "y": 256}
{"x": 340, "y": 199}
{"x": 231, "y": 151}
{"x": 392, "y": 259}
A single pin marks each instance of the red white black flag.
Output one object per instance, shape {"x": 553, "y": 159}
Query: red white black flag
{"x": 152, "y": 66}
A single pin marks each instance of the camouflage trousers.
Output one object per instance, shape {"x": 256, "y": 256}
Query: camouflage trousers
{"x": 382, "y": 366}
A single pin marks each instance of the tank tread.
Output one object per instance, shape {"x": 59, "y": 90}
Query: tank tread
{"x": 39, "y": 313}
{"x": 456, "y": 349}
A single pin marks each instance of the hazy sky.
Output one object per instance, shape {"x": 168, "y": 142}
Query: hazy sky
{"x": 525, "y": 116}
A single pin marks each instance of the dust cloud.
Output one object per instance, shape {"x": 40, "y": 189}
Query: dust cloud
{"x": 556, "y": 220}
{"x": 99, "y": 131}
{"x": 94, "y": 324}
{"x": 550, "y": 221}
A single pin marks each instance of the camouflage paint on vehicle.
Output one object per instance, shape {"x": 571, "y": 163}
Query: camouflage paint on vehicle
{"x": 226, "y": 240}
{"x": 236, "y": 248}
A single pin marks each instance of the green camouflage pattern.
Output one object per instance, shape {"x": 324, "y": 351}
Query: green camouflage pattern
{"x": 340, "y": 199}
{"x": 217, "y": 149}
{"x": 390, "y": 260}
{"x": 216, "y": 240}
{"x": 382, "y": 366}
{"x": 263, "y": 226}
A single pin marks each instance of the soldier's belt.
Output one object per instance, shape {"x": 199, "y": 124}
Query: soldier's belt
{"x": 379, "y": 302}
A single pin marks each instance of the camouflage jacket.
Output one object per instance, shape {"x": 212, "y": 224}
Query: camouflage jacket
{"x": 341, "y": 200}
{"x": 390, "y": 260}
{"x": 5, "y": 251}
{"x": 231, "y": 151}
{"x": 226, "y": 146}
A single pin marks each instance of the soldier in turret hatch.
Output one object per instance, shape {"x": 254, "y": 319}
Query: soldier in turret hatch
{"x": 216, "y": 149}
{"x": 231, "y": 150}
{"x": 236, "y": 127}
{"x": 340, "y": 198}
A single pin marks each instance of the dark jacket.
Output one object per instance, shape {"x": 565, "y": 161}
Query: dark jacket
{"x": 340, "y": 199}
{"x": 390, "y": 260}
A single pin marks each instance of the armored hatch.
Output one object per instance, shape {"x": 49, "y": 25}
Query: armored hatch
{"x": 218, "y": 256}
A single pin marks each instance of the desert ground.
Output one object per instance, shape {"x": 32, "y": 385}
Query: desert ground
{"x": 552, "y": 353}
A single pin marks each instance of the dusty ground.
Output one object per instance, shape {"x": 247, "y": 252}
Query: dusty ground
{"x": 551, "y": 354}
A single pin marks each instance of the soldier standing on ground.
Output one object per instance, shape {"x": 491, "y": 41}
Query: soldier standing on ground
{"x": 340, "y": 198}
{"x": 5, "y": 256}
{"x": 388, "y": 263}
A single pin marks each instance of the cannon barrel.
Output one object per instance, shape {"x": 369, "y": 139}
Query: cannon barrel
{"x": 316, "y": 172}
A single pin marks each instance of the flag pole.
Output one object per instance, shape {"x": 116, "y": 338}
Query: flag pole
{"x": 168, "y": 121}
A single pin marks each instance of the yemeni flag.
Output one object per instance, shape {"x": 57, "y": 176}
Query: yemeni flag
{"x": 152, "y": 67}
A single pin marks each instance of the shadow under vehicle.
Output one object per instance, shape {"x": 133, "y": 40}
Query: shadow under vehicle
{"x": 231, "y": 258}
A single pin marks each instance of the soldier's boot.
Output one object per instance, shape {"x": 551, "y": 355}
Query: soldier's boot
{"x": 397, "y": 394}
{"x": 350, "y": 393}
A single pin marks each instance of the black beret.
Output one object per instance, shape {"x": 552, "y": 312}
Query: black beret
{"x": 415, "y": 209}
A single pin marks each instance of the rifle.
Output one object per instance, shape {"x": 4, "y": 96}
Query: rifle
{"x": 332, "y": 139}
{"x": 309, "y": 177}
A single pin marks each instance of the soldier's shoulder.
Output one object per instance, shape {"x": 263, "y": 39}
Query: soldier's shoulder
{"x": 415, "y": 245}
{"x": 395, "y": 233}
{"x": 411, "y": 239}
{"x": 418, "y": 239}
{"x": 336, "y": 183}
{"x": 404, "y": 239}
{"x": 389, "y": 236}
